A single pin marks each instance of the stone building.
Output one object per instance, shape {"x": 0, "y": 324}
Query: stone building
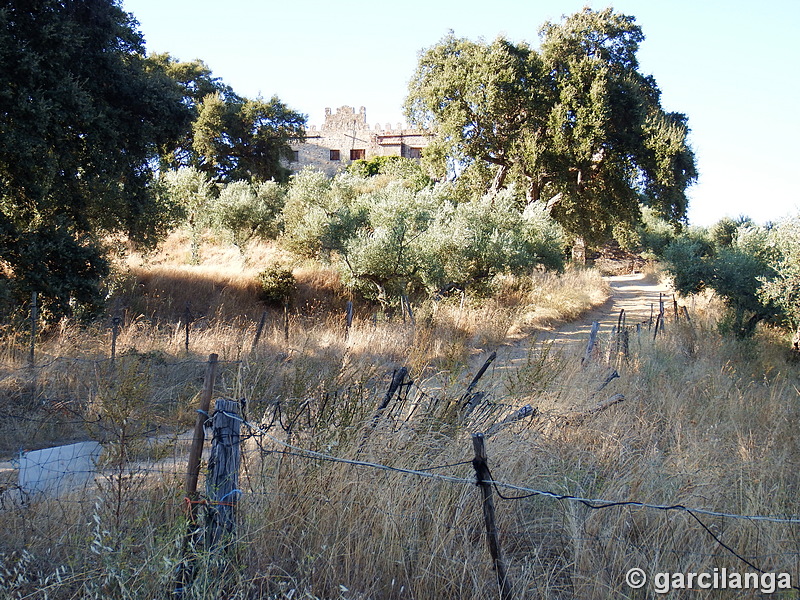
{"x": 345, "y": 136}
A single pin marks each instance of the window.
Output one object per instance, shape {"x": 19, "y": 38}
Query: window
{"x": 335, "y": 155}
{"x": 357, "y": 154}
{"x": 415, "y": 153}
{"x": 295, "y": 155}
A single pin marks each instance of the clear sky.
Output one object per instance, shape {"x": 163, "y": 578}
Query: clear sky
{"x": 731, "y": 66}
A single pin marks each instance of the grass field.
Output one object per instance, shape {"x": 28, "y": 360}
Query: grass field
{"x": 706, "y": 423}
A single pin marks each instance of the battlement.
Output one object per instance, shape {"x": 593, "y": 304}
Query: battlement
{"x": 347, "y": 119}
{"x": 345, "y": 136}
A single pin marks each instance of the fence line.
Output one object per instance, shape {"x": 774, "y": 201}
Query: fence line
{"x": 403, "y": 390}
{"x": 427, "y": 473}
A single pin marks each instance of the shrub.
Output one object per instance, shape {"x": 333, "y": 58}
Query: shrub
{"x": 390, "y": 238}
{"x": 733, "y": 267}
{"x": 471, "y": 243}
{"x": 783, "y": 289}
{"x": 277, "y": 285}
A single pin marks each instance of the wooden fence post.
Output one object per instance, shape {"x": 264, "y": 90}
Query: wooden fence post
{"x": 406, "y": 307}
{"x": 34, "y": 320}
{"x": 185, "y": 570}
{"x": 675, "y": 306}
{"x": 398, "y": 377}
{"x": 115, "y": 322}
{"x": 470, "y": 399}
{"x": 188, "y": 318}
{"x": 483, "y": 480}
{"x": 286, "y": 321}
{"x": 348, "y": 321}
{"x": 259, "y": 331}
{"x": 592, "y": 339}
{"x": 222, "y": 483}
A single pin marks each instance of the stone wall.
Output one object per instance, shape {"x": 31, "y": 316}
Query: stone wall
{"x": 346, "y": 136}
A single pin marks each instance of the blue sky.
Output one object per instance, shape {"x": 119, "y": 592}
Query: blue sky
{"x": 730, "y": 66}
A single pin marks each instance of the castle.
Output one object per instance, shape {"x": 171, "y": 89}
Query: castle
{"x": 345, "y": 136}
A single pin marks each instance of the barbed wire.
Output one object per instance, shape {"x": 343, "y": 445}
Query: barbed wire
{"x": 594, "y": 503}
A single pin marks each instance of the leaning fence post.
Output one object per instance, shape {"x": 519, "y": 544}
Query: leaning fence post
{"x": 592, "y": 340}
{"x": 469, "y": 399}
{"x": 185, "y": 570}
{"x": 222, "y": 483}
{"x": 397, "y": 380}
{"x": 484, "y": 481}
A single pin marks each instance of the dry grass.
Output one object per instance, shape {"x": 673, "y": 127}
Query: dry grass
{"x": 706, "y": 422}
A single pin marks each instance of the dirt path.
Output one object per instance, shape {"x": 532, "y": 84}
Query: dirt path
{"x": 637, "y": 294}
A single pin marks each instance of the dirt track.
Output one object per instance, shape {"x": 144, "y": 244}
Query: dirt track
{"x": 638, "y": 294}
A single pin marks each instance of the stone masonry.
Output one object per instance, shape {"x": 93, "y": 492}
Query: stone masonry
{"x": 345, "y": 136}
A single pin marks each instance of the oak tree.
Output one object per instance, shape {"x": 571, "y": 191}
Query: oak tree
{"x": 575, "y": 122}
{"x": 82, "y": 118}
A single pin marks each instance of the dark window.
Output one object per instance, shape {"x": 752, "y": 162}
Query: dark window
{"x": 335, "y": 155}
{"x": 415, "y": 153}
{"x": 357, "y": 154}
{"x": 295, "y": 155}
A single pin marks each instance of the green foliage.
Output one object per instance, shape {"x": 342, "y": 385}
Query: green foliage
{"x": 384, "y": 252}
{"x": 191, "y": 193}
{"x": 783, "y": 289}
{"x": 390, "y": 238}
{"x": 650, "y": 236}
{"x": 230, "y": 137}
{"x": 576, "y": 124}
{"x": 277, "y": 285}
{"x": 83, "y": 116}
{"x": 249, "y": 210}
{"x": 237, "y": 138}
{"x": 392, "y": 167}
{"x": 468, "y": 244}
{"x": 733, "y": 267}
{"x": 373, "y": 166}
{"x": 321, "y": 213}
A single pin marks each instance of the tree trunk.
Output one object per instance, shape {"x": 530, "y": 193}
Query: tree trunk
{"x": 499, "y": 179}
{"x": 534, "y": 191}
{"x": 796, "y": 341}
{"x": 579, "y": 250}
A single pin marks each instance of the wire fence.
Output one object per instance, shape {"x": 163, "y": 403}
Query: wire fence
{"x": 320, "y": 468}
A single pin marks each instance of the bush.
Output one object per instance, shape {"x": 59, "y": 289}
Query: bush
{"x": 469, "y": 244}
{"x": 277, "y": 285}
{"x": 783, "y": 289}
{"x": 732, "y": 264}
{"x": 390, "y": 238}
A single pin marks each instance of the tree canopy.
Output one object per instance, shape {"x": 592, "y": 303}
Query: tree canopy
{"x": 575, "y": 122}
{"x": 86, "y": 121}
{"x": 230, "y": 138}
{"x": 83, "y": 115}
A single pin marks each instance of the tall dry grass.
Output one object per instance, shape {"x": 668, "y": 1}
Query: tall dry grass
{"x": 706, "y": 423}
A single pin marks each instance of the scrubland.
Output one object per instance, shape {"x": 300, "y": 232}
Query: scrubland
{"x": 706, "y": 423}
